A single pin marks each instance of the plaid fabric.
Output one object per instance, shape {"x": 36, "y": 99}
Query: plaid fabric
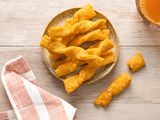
{"x": 29, "y": 101}
{"x": 8, "y": 115}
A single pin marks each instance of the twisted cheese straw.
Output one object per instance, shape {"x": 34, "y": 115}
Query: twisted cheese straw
{"x": 77, "y": 28}
{"x": 116, "y": 87}
{"x": 73, "y": 52}
{"x": 73, "y": 82}
{"x": 91, "y": 36}
{"x": 84, "y": 13}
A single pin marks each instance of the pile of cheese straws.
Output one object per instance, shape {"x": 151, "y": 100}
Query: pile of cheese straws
{"x": 64, "y": 45}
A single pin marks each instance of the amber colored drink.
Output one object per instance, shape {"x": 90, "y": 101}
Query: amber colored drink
{"x": 151, "y": 10}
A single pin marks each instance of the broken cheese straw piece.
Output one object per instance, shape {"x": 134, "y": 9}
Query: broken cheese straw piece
{"x": 91, "y": 36}
{"x": 77, "y": 28}
{"x": 116, "y": 87}
{"x": 136, "y": 62}
{"x": 84, "y": 13}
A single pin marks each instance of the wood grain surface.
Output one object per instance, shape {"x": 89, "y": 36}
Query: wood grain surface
{"x": 22, "y": 24}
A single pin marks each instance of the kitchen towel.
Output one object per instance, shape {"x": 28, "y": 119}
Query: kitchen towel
{"x": 29, "y": 101}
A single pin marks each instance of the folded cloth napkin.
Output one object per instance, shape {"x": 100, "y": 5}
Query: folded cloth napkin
{"x": 29, "y": 101}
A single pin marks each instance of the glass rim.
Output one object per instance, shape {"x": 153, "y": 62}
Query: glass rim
{"x": 143, "y": 15}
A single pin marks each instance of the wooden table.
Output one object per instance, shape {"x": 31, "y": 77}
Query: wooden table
{"x": 22, "y": 24}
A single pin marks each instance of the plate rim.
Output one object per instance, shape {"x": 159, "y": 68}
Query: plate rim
{"x": 109, "y": 70}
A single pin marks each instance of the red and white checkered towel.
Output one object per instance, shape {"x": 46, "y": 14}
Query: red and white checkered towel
{"x": 29, "y": 101}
